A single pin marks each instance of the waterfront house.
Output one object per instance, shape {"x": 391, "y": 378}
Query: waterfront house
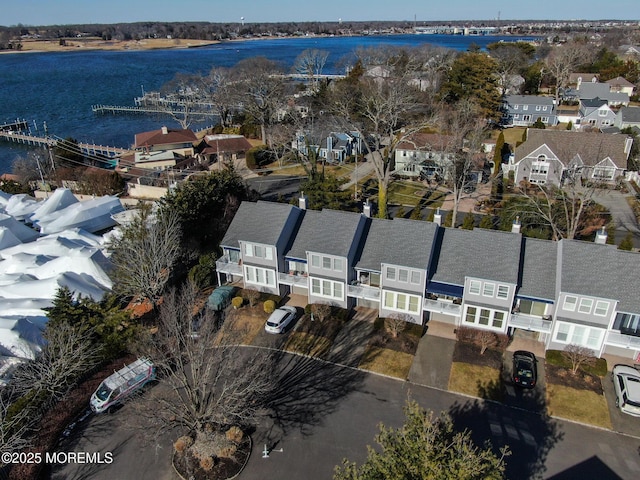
{"x": 525, "y": 110}
{"x": 164, "y": 148}
{"x": 224, "y": 147}
{"x": 550, "y": 157}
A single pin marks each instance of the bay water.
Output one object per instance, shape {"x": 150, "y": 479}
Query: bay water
{"x": 57, "y": 90}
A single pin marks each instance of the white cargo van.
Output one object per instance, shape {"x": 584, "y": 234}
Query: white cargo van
{"x": 115, "y": 388}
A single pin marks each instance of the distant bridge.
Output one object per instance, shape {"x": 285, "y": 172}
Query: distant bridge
{"x": 87, "y": 148}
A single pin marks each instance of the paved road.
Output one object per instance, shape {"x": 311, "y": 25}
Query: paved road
{"x": 323, "y": 413}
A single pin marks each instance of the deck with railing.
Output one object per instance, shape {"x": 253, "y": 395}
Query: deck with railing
{"x": 363, "y": 291}
{"x": 617, "y": 339}
{"x": 225, "y": 265}
{"x": 530, "y": 322}
{"x": 445, "y": 307}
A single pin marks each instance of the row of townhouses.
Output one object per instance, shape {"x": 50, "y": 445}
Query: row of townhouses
{"x": 569, "y": 292}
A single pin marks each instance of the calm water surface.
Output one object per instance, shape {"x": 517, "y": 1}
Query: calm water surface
{"x": 58, "y": 89}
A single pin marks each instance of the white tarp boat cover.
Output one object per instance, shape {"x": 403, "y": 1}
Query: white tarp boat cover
{"x": 20, "y": 230}
{"x": 33, "y": 269}
{"x": 61, "y": 198}
{"x": 92, "y": 215}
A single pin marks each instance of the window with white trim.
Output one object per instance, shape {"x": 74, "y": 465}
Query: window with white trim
{"x": 474, "y": 287}
{"x": 583, "y": 335}
{"x": 525, "y": 107}
{"x": 327, "y": 288}
{"x": 485, "y": 317}
{"x": 259, "y": 276}
{"x": 401, "y": 302}
{"x": 326, "y": 263}
{"x": 415, "y": 277}
{"x": 391, "y": 273}
{"x": 403, "y": 275}
{"x": 569, "y": 303}
{"x": 601, "y": 309}
{"x": 503, "y": 291}
{"x": 585, "y": 305}
{"x": 258, "y": 251}
{"x": 488, "y": 289}
{"x": 538, "y": 108}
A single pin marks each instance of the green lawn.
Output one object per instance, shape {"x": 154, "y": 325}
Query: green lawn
{"x": 387, "y": 362}
{"x": 579, "y": 405}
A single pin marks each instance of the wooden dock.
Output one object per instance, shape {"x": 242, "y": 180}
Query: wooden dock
{"x": 147, "y": 109}
{"x": 87, "y": 148}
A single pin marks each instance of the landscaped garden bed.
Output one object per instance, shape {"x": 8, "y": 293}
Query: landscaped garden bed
{"x": 392, "y": 347}
{"x": 578, "y": 395}
{"x": 477, "y": 364}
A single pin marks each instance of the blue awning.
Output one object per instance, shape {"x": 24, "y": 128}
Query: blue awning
{"x": 445, "y": 289}
{"x": 534, "y": 299}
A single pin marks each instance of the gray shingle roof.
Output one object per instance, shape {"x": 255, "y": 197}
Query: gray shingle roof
{"x": 528, "y": 100}
{"x": 630, "y": 114}
{"x": 260, "y": 222}
{"x": 328, "y": 231}
{"x": 406, "y": 243}
{"x": 538, "y": 273}
{"x": 479, "y": 253}
{"x": 601, "y": 271}
{"x": 592, "y": 147}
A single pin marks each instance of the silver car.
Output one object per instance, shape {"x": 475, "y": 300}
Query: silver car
{"x": 280, "y": 319}
{"x": 626, "y": 382}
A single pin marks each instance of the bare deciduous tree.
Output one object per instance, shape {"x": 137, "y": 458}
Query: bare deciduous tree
{"x": 207, "y": 379}
{"x": 466, "y": 129}
{"x": 251, "y": 296}
{"x": 145, "y": 254}
{"x": 321, "y": 311}
{"x": 384, "y": 107}
{"x": 578, "y": 356}
{"x": 14, "y": 425}
{"x": 396, "y": 323}
{"x": 68, "y": 352}
{"x": 310, "y": 63}
{"x": 563, "y": 60}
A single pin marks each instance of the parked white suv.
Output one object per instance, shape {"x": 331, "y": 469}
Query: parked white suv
{"x": 626, "y": 382}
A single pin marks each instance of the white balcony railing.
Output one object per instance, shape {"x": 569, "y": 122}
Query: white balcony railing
{"x": 442, "y": 306}
{"x": 363, "y": 291}
{"x": 293, "y": 279}
{"x": 225, "y": 265}
{"x": 530, "y": 322}
{"x": 617, "y": 339}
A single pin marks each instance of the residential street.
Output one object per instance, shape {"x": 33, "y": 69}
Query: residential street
{"x": 322, "y": 413}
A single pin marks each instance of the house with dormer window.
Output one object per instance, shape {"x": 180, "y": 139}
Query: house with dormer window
{"x": 595, "y": 113}
{"x": 322, "y": 253}
{"x": 255, "y": 243}
{"x": 391, "y": 272}
{"x": 597, "y": 301}
{"x": 423, "y": 155}
{"x": 550, "y": 157}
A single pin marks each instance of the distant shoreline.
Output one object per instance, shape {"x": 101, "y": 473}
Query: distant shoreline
{"x": 88, "y": 44}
